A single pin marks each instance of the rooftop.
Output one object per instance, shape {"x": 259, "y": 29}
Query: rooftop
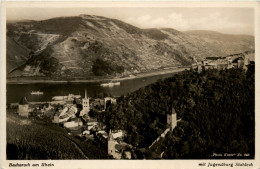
{"x": 23, "y": 101}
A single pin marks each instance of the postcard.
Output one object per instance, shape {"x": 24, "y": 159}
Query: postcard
{"x": 153, "y": 85}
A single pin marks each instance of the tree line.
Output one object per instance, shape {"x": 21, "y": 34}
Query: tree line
{"x": 216, "y": 108}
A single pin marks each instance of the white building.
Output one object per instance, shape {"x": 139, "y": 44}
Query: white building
{"x": 63, "y": 111}
{"x": 117, "y": 134}
{"x": 67, "y": 113}
{"x": 92, "y": 123}
{"x": 23, "y": 107}
{"x": 86, "y": 132}
{"x": 72, "y": 124}
{"x": 128, "y": 154}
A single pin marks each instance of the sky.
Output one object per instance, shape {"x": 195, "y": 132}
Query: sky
{"x": 224, "y": 20}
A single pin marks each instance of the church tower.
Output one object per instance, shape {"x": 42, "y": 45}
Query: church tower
{"x": 85, "y": 105}
{"x": 172, "y": 119}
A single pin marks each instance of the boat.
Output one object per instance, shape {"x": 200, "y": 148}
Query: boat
{"x": 110, "y": 84}
{"x": 36, "y": 93}
{"x": 117, "y": 83}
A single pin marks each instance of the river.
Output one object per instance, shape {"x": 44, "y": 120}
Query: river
{"x": 16, "y": 91}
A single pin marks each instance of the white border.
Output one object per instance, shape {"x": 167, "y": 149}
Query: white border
{"x": 127, "y": 164}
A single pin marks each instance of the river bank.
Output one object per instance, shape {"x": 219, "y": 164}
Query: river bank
{"x": 140, "y": 75}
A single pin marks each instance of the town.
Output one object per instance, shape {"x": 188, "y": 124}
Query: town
{"x": 72, "y": 112}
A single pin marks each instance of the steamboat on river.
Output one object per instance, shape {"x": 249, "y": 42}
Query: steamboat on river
{"x": 110, "y": 84}
{"x": 36, "y": 93}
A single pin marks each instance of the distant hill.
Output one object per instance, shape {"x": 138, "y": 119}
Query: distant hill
{"x": 228, "y": 43}
{"x": 73, "y": 46}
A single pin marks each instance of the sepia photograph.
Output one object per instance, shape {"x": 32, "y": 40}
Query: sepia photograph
{"x": 130, "y": 83}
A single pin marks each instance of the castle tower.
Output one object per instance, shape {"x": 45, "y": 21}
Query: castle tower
{"x": 85, "y": 105}
{"x": 111, "y": 144}
{"x": 172, "y": 119}
{"x": 106, "y": 100}
{"x": 23, "y": 107}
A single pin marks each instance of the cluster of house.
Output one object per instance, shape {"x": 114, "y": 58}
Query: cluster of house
{"x": 73, "y": 116}
{"x": 117, "y": 148}
{"x": 78, "y": 122}
{"x": 228, "y": 62}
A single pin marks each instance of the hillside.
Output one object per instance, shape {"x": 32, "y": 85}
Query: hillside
{"x": 32, "y": 139}
{"x": 16, "y": 54}
{"x": 226, "y": 42}
{"x": 215, "y": 111}
{"x": 86, "y": 46}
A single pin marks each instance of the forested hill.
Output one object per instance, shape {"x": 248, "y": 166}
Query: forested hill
{"x": 216, "y": 108}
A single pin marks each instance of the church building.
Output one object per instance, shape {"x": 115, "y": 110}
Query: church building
{"x": 85, "y": 105}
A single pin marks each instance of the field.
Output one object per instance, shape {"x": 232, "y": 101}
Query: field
{"x": 29, "y": 139}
